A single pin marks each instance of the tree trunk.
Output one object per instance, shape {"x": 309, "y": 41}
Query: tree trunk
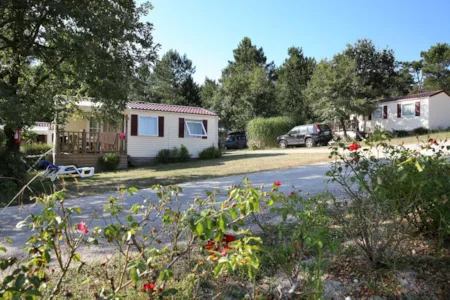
{"x": 343, "y": 128}
{"x": 10, "y": 144}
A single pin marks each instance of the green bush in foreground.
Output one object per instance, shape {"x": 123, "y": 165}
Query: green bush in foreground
{"x": 109, "y": 161}
{"x": 263, "y": 132}
{"x": 210, "y": 153}
{"x": 35, "y": 148}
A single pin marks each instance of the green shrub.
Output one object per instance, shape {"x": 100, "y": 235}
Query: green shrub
{"x": 35, "y": 148}
{"x": 263, "y": 132}
{"x": 13, "y": 168}
{"x": 183, "y": 154}
{"x": 420, "y": 131}
{"x": 109, "y": 161}
{"x": 163, "y": 156}
{"x": 174, "y": 155}
{"x": 400, "y": 133}
{"x": 210, "y": 153}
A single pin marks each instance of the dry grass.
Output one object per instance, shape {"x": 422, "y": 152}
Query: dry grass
{"x": 438, "y": 136}
{"x": 233, "y": 163}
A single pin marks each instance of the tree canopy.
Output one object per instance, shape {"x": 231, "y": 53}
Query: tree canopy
{"x": 436, "y": 67}
{"x": 72, "y": 48}
{"x": 293, "y": 77}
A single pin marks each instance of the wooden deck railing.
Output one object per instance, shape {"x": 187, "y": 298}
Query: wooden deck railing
{"x": 90, "y": 142}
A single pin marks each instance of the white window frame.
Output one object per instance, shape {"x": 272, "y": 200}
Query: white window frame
{"x": 99, "y": 127}
{"x": 140, "y": 126}
{"x": 413, "y": 111}
{"x": 374, "y": 116}
{"x": 186, "y": 122}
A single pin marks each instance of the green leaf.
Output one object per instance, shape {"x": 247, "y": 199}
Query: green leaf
{"x": 134, "y": 276}
{"x": 3, "y": 249}
{"x": 218, "y": 268}
{"x": 76, "y": 257}
{"x": 199, "y": 228}
{"x": 46, "y": 256}
{"x": 77, "y": 209}
{"x": 33, "y": 293}
{"x": 20, "y": 280}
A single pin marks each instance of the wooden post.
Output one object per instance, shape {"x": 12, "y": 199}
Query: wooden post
{"x": 83, "y": 143}
{"x": 55, "y": 139}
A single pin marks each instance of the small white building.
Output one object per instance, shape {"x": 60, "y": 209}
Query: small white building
{"x": 429, "y": 110}
{"x": 141, "y": 132}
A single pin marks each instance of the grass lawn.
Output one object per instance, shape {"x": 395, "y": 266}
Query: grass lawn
{"x": 232, "y": 163}
{"x": 438, "y": 136}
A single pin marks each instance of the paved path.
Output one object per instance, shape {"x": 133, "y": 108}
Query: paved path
{"x": 309, "y": 179}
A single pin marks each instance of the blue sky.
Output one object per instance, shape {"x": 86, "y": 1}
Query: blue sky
{"x": 208, "y": 30}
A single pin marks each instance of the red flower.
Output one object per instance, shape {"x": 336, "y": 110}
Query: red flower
{"x": 228, "y": 238}
{"x": 292, "y": 194}
{"x": 211, "y": 246}
{"x": 353, "y": 147}
{"x": 432, "y": 141}
{"x": 149, "y": 287}
{"x": 82, "y": 227}
{"x": 277, "y": 183}
{"x": 224, "y": 250}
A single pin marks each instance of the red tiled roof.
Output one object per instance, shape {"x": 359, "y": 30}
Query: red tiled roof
{"x": 415, "y": 96}
{"x": 170, "y": 108}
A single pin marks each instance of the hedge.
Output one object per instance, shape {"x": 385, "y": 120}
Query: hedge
{"x": 263, "y": 132}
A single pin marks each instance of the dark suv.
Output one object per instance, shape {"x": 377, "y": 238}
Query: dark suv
{"x": 309, "y": 135}
{"x": 236, "y": 140}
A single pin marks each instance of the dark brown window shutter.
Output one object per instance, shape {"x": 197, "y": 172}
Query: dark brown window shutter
{"x": 385, "y": 112}
{"x": 134, "y": 125}
{"x": 181, "y": 127}
{"x": 399, "y": 110}
{"x": 161, "y": 126}
{"x": 417, "y": 108}
{"x": 205, "y": 124}
{"x": 370, "y": 116}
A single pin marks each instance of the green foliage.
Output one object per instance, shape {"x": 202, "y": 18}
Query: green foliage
{"x": 263, "y": 132}
{"x": 389, "y": 198}
{"x": 41, "y": 57}
{"x": 109, "y": 161}
{"x": 378, "y": 71}
{"x": 13, "y": 168}
{"x": 247, "y": 88}
{"x": 293, "y": 77}
{"x": 303, "y": 233}
{"x": 400, "y": 133}
{"x": 333, "y": 89}
{"x": 171, "y": 81}
{"x": 35, "y": 148}
{"x": 420, "y": 131}
{"x": 436, "y": 67}
{"x": 174, "y": 155}
{"x": 210, "y": 153}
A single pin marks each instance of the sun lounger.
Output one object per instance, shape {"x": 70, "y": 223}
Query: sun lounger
{"x": 52, "y": 171}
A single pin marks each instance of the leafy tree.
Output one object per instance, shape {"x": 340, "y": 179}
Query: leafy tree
{"x": 436, "y": 67}
{"x": 378, "y": 71}
{"x": 171, "y": 80}
{"x": 415, "y": 69}
{"x": 190, "y": 91}
{"x": 334, "y": 90}
{"x": 73, "y": 48}
{"x": 293, "y": 77}
{"x": 208, "y": 91}
{"x": 247, "y": 88}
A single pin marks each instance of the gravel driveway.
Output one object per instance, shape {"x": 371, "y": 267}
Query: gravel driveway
{"x": 309, "y": 179}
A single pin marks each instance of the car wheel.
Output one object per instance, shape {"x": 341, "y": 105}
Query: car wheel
{"x": 283, "y": 144}
{"x": 309, "y": 143}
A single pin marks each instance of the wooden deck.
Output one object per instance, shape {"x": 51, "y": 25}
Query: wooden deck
{"x": 86, "y": 160}
{"x": 83, "y": 142}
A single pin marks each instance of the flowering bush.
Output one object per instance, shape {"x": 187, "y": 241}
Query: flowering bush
{"x": 391, "y": 191}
